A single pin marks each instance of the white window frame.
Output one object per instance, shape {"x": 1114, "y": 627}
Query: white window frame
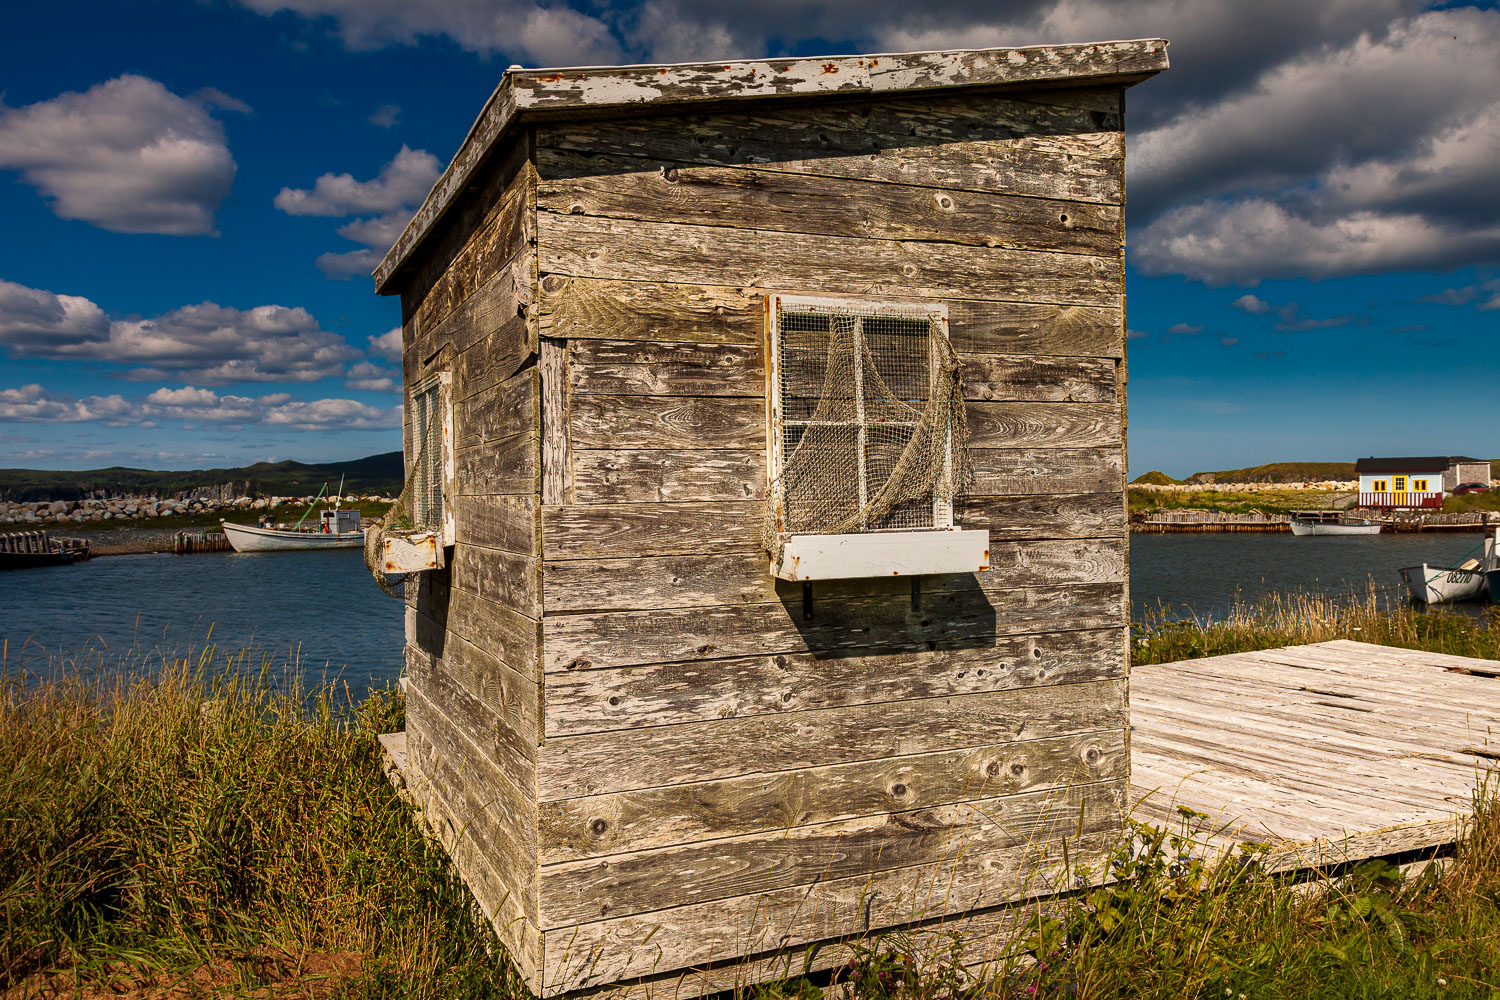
{"x": 941, "y": 547}
{"x": 443, "y": 524}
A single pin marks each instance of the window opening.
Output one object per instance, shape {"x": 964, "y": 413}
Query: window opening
{"x": 867, "y": 422}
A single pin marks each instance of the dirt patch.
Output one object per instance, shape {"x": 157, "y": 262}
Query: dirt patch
{"x": 284, "y": 975}
{"x": 126, "y": 541}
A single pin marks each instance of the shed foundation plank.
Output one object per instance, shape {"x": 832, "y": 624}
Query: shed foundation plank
{"x": 682, "y": 875}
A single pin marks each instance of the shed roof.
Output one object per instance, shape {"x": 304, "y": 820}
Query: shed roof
{"x": 613, "y": 91}
{"x": 1431, "y": 463}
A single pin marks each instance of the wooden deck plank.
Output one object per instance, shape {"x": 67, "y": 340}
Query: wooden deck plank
{"x": 1331, "y": 752}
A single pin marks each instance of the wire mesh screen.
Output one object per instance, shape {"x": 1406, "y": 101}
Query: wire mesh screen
{"x": 420, "y": 505}
{"x": 870, "y": 420}
{"x": 427, "y": 488}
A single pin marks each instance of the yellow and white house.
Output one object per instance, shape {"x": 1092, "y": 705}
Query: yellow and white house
{"x": 1419, "y": 482}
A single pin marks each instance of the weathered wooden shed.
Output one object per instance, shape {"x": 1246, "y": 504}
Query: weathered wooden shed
{"x": 649, "y": 746}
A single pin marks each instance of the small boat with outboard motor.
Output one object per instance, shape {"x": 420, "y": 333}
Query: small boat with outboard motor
{"x": 1331, "y": 522}
{"x": 1467, "y": 580}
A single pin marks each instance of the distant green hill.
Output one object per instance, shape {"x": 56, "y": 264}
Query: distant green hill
{"x": 381, "y": 474}
{"x": 1278, "y": 472}
{"x": 1155, "y": 478}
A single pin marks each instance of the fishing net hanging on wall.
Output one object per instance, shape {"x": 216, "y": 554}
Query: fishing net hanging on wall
{"x": 872, "y": 432}
{"x": 420, "y": 505}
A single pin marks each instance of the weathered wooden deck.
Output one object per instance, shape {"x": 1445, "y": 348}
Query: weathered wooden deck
{"x": 1326, "y": 753}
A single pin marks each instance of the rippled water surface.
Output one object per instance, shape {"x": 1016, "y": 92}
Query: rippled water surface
{"x": 1193, "y": 575}
{"x": 321, "y": 612}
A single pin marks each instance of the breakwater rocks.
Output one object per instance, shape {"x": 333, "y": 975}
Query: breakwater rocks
{"x": 140, "y": 508}
{"x": 1327, "y": 486}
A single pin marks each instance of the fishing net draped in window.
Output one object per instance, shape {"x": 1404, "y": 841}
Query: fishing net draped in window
{"x": 869, "y": 422}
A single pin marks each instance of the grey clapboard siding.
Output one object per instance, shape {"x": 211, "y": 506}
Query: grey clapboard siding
{"x": 605, "y": 531}
{"x": 635, "y": 476}
{"x": 744, "y": 578}
{"x": 602, "y": 825}
{"x": 715, "y": 869}
{"x": 666, "y": 754}
{"x": 469, "y": 852}
{"x": 966, "y": 618}
{"x": 596, "y": 763}
{"x": 597, "y": 699}
{"x": 770, "y": 923}
{"x": 596, "y": 308}
{"x": 708, "y": 255}
{"x": 646, "y": 368}
{"x": 663, "y": 191}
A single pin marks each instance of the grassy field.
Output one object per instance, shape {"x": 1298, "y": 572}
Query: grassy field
{"x": 194, "y": 834}
{"x": 1270, "y": 501}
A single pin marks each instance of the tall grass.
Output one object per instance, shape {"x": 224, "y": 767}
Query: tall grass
{"x": 1377, "y": 616}
{"x": 194, "y": 833}
{"x": 190, "y": 820}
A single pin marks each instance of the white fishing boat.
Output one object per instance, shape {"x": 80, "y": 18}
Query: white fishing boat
{"x": 1331, "y": 522}
{"x": 1443, "y": 584}
{"x": 334, "y": 529}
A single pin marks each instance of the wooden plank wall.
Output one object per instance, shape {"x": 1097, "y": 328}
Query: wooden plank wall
{"x": 473, "y": 711}
{"x": 711, "y": 751}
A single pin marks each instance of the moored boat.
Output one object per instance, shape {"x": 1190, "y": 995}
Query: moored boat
{"x": 1328, "y": 522}
{"x": 336, "y": 529}
{"x": 1441, "y": 585}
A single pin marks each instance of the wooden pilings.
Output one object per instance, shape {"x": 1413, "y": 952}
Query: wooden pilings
{"x": 189, "y": 542}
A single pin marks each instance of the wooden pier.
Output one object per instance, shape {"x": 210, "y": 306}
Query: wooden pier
{"x": 1325, "y": 753}
{"x": 24, "y": 549}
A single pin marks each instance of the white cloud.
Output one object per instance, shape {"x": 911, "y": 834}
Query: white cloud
{"x": 1290, "y": 317}
{"x": 386, "y": 116}
{"x": 400, "y": 187}
{"x": 1488, "y": 291}
{"x": 531, "y": 32}
{"x": 1187, "y": 329}
{"x": 1372, "y": 156}
{"x": 350, "y": 264}
{"x": 33, "y": 403}
{"x": 33, "y": 319}
{"x": 387, "y": 345}
{"x": 402, "y": 182}
{"x": 276, "y": 410}
{"x": 127, "y": 155}
{"x": 367, "y": 377}
{"x": 1253, "y": 239}
{"x": 206, "y": 343}
{"x": 192, "y": 404}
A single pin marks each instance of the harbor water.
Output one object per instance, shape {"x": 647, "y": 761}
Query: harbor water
{"x": 318, "y": 614}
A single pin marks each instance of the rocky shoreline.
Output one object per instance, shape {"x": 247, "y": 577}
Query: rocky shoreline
{"x": 39, "y": 513}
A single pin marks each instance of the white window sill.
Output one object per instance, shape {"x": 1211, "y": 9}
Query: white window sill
{"x": 883, "y": 553}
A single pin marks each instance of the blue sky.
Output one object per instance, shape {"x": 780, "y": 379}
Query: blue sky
{"x": 193, "y": 194}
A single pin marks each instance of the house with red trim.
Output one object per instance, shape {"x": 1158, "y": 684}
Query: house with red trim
{"x": 1414, "y": 483}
